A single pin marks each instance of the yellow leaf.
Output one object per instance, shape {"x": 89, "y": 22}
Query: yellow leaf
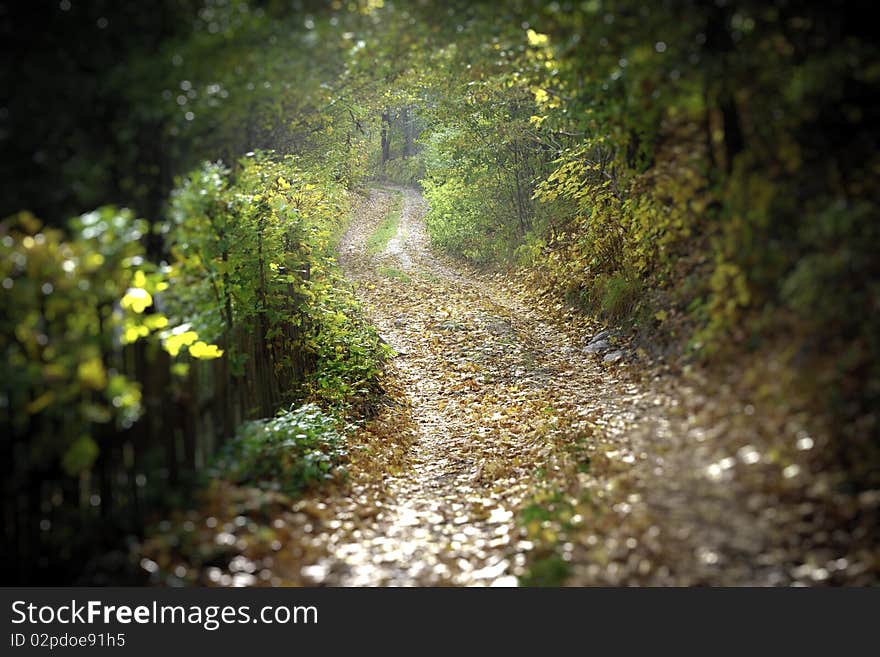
{"x": 205, "y": 351}
{"x": 536, "y": 39}
{"x": 155, "y": 321}
{"x": 93, "y": 261}
{"x": 136, "y": 299}
{"x": 173, "y": 343}
{"x": 134, "y": 332}
{"x": 40, "y": 403}
{"x": 91, "y": 374}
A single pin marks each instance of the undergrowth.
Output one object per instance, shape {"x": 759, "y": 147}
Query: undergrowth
{"x": 289, "y": 453}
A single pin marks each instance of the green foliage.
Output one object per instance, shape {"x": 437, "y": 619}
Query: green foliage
{"x": 551, "y": 570}
{"x": 479, "y": 160}
{"x": 459, "y": 223}
{"x": 293, "y": 451}
{"x": 408, "y": 171}
{"x": 64, "y": 324}
{"x": 349, "y": 353}
{"x": 544, "y": 520}
{"x": 253, "y": 256}
{"x": 620, "y": 296}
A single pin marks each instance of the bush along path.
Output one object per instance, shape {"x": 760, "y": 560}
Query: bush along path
{"x": 519, "y": 443}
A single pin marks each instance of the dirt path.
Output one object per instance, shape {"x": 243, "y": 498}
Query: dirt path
{"x": 477, "y": 367}
{"x": 506, "y": 452}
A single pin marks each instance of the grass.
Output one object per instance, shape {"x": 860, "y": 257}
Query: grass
{"x": 550, "y": 571}
{"x": 395, "y": 273}
{"x": 546, "y": 522}
{"x": 387, "y": 228}
{"x": 431, "y": 278}
{"x": 620, "y": 297}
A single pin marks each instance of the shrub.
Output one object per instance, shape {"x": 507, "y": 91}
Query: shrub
{"x": 290, "y": 452}
{"x": 620, "y": 296}
{"x": 406, "y": 170}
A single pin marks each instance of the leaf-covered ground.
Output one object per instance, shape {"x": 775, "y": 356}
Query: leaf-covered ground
{"x": 508, "y": 450}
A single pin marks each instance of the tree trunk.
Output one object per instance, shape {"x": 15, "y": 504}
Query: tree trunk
{"x": 719, "y": 46}
{"x": 406, "y": 121}
{"x": 386, "y": 138}
{"x": 734, "y": 142}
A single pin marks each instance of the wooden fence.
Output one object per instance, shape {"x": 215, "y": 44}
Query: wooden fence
{"x": 60, "y": 529}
